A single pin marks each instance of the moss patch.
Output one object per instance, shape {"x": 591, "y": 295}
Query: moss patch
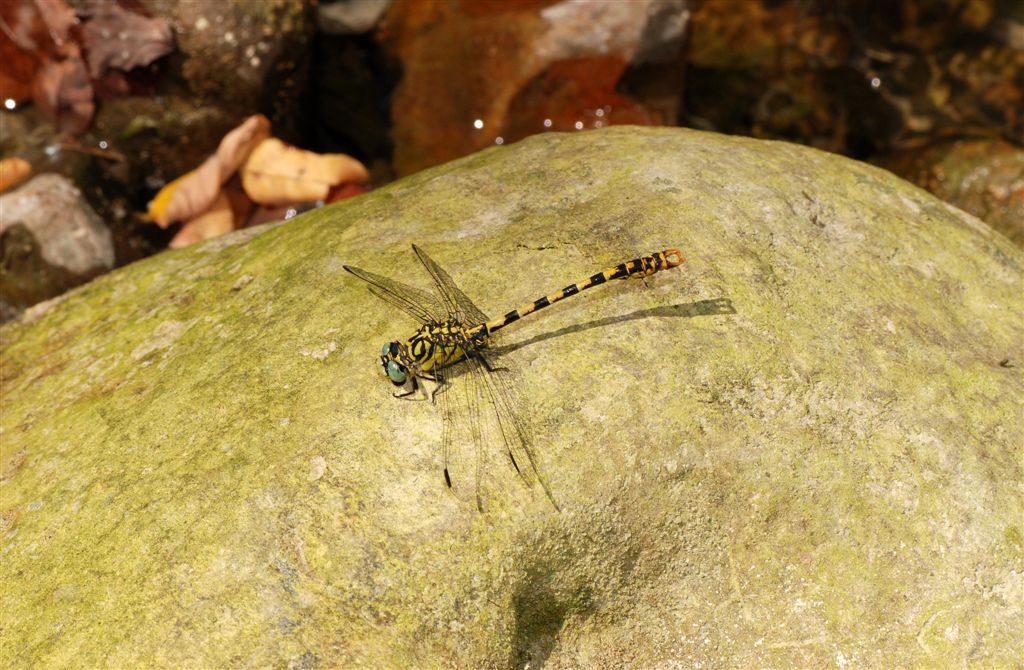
{"x": 802, "y": 447}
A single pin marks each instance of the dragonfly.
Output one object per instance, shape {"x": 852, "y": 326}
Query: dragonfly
{"x": 453, "y": 340}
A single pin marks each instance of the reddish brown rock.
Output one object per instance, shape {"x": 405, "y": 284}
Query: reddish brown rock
{"x": 479, "y": 73}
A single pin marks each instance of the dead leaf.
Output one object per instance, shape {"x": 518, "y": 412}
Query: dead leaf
{"x": 344, "y": 191}
{"x": 279, "y": 174}
{"x": 13, "y": 171}
{"x": 241, "y": 206}
{"x": 113, "y": 84}
{"x": 213, "y": 223}
{"x": 59, "y": 18}
{"x": 63, "y": 91}
{"x": 22, "y": 24}
{"x": 17, "y": 72}
{"x": 116, "y": 38}
{"x": 37, "y": 25}
{"x": 195, "y": 192}
{"x": 31, "y": 31}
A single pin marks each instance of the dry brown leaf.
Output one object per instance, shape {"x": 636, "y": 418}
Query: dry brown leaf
{"x": 37, "y": 25}
{"x": 13, "y": 171}
{"x": 195, "y": 192}
{"x": 241, "y": 206}
{"x": 116, "y": 38}
{"x": 22, "y": 30}
{"x": 63, "y": 91}
{"x": 345, "y": 191}
{"x": 218, "y": 220}
{"x": 17, "y": 73}
{"x": 59, "y": 18}
{"x": 278, "y": 174}
{"x": 37, "y": 60}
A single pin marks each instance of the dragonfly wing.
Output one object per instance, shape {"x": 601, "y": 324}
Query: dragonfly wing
{"x": 448, "y": 426}
{"x": 461, "y": 432}
{"x": 456, "y": 302}
{"x": 502, "y": 391}
{"x": 415, "y": 302}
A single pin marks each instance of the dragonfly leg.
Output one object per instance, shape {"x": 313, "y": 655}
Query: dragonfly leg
{"x": 437, "y": 386}
{"x": 413, "y": 390}
{"x": 487, "y": 366}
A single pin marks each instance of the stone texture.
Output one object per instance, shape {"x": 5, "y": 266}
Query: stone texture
{"x": 202, "y": 466}
{"x": 983, "y": 177}
{"x": 50, "y": 240}
{"x": 241, "y": 53}
{"x": 350, "y": 17}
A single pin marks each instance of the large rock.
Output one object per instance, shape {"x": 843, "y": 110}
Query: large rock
{"x": 801, "y": 448}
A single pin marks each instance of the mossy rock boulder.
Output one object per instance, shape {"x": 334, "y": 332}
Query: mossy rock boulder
{"x": 800, "y": 448}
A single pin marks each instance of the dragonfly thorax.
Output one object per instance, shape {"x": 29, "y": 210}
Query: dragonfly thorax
{"x": 434, "y": 344}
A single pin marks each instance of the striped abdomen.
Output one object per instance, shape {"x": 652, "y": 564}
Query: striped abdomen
{"x": 639, "y": 267}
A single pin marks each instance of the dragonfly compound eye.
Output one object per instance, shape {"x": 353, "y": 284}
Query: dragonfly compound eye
{"x": 395, "y": 372}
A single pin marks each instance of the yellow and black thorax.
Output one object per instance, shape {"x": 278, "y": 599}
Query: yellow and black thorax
{"x": 434, "y": 344}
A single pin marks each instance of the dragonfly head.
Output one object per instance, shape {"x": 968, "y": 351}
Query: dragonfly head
{"x": 395, "y": 371}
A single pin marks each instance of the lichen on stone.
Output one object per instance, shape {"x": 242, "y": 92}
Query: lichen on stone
{"x": 800, "y": 448}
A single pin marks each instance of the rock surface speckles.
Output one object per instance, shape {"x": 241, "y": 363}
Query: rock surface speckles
{"x": 826, "y": 473}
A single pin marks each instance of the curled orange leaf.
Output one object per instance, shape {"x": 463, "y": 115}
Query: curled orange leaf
{"x": 219, "y": 219}
{"x": 195, "y": 192}
{"x": 279, "y": 174}
{"x": 13, "y": 171}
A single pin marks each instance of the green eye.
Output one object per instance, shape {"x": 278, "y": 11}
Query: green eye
{"x": 386, "y": 349}
{"x": 395, "y": 372}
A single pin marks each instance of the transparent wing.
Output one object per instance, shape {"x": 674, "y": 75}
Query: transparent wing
{"x": 457, "y": 303}
{"x": 483, "y": 402}
{"x": 501, "y": 391}
{"x": 460, "y": 411}
{"x": 417, "y": 303}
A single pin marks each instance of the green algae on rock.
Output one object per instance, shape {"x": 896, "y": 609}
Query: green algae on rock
{"x": 203, "y": 468}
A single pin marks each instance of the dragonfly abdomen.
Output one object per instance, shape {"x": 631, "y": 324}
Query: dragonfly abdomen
{"x": 638, "y": 267}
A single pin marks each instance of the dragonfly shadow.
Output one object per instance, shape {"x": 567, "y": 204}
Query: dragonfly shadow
{"x": 689, "y": 310}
